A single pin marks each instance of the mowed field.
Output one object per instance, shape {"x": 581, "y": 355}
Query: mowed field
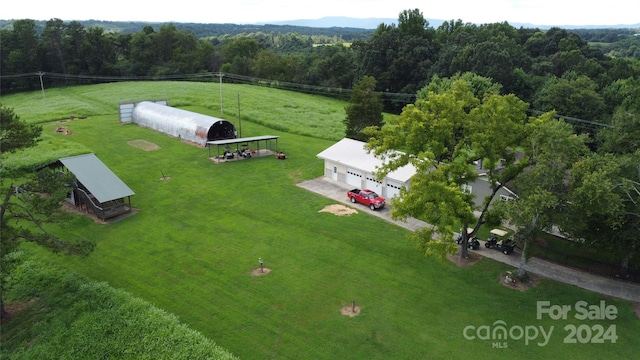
{"x": 200, "y": 228}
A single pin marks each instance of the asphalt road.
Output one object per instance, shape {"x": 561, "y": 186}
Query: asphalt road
{"x": 606, "y": 286}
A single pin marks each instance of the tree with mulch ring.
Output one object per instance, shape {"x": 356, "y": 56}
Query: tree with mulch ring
{"x": 523, "y": 283}
{"x": 351, "y": 310}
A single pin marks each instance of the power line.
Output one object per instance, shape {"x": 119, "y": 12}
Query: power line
{"x": 573, "y": 119}
{"x": 250, "y": 80}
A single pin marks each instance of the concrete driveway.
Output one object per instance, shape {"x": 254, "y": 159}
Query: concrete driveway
{"x": 338, "y": 192}
{"x": 606, "y": 286}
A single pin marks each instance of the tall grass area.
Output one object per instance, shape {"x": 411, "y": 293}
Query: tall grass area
{"x": 288, "y": 111}
{"x": 68, "y": 313}
{"x": 198, "y": 233}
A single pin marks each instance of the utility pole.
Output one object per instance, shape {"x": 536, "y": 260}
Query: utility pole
{"x": 44, "y": 99}
{"x": 239, "y": 123}
{"x": 221, "y": 109}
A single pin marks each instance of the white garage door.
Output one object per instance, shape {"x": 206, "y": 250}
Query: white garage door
{"x": 373, "y": 184}
{"x": 354, "y": 177}
{"x": 393, "y": 188}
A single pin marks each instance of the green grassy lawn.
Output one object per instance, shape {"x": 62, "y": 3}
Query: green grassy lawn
{"x": 191, "y": 247}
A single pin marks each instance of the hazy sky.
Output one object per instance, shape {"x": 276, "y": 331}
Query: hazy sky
{"x": 538, "y": 12}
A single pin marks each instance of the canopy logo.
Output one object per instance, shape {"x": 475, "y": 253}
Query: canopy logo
{"x": 499, "y": 333}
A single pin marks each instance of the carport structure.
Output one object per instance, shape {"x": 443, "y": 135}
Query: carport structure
{"x": 228, "y": 144}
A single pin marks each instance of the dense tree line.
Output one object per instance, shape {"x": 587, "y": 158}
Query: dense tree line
{"x": 214, "y": 30}
{"x": 550, "y": 69}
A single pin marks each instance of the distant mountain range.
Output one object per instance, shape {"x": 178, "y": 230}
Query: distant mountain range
{"x": 347, "y": 27}
{"x": 373, "y": 23}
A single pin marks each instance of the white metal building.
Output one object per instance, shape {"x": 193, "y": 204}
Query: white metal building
{"x": 347, "y": 161}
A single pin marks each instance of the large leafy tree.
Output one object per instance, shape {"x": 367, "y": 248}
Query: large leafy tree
{"x": 623, "y": 136}
{"x": 364, "y": 109}
{"x": 605, "y": 205}
{"x": 571, "y": 95}
{"x": 443, "y": 135}
{"x": 605, "y": 189}
{"x": 19, "y": 49}
{"x": 239, "y": 55}
{"x": 494, "y": 52}
{"x": 26, "y": 208}
{"x": 75, "y": 48}
{"x": 398, "y": 57}
{"x": 550, "y": 149}
{"x": 100, "y": 53}
{"x": 332, "y": 66}
{"x": 54, "y": 46}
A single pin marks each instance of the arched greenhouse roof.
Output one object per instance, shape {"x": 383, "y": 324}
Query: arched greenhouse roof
{"x": 194, "y": 127}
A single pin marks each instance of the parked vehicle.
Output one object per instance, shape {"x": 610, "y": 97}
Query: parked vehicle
{"x": 498, "y": 240}
{"x": 245, "y": 153}
{"x": 472, "y": 243}
{"x": 366, "y": 197}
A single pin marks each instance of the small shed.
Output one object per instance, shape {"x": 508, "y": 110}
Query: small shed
{"x": 183, "y": 124}
{"x": 348, "y": 161}
{"x": 96, "y": 188}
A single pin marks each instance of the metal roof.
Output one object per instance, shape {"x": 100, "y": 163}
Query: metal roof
{"x": 242, "y": 140}
{"x": 97, "y": 177}
{"x": 352, "y": 153}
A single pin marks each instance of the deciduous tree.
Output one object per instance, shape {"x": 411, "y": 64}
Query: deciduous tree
{"x": 443, "y": 135}
{"x": 364, "y": 109}
{"x": 550, "y": 150}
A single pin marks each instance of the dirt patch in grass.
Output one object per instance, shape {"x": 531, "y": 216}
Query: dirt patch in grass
{"x": 510, "y": 280}
{"x": 260, "y": 271}
{"x": 471, "y": 260}
{"x": 350, "y": 310}
{"x": 143, "y": 144}
{"x": 339, "y": 210}
{"x": 15, "y": 308}
{"x": 63, "y": 130}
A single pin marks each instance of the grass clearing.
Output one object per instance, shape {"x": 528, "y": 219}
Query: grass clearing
{"x": 197, "y": 236}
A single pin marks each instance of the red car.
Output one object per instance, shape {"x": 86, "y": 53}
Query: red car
{"x": 367, "y": 197}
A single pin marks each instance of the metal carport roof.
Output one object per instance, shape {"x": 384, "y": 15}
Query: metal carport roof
{"x": 242, "y": 140}
{"x": 97, "y": 177}
{"x": 254, "y": 139}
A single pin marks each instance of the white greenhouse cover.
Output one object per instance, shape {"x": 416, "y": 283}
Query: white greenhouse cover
{"x": 175, "y": 122}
